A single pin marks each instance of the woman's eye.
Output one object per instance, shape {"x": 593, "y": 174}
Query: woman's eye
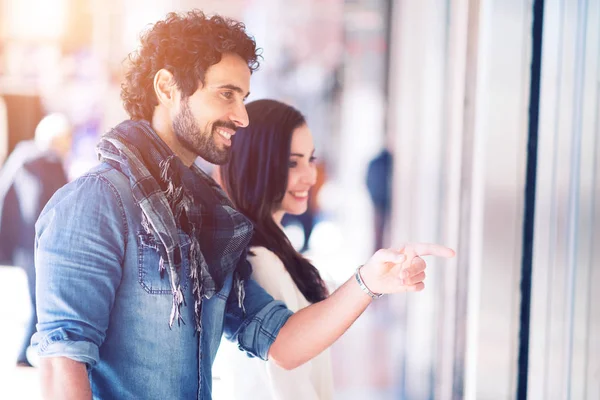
{"x": 293, "y": 164}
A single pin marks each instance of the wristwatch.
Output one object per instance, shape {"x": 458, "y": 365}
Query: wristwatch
{"x": 364, "y": 287}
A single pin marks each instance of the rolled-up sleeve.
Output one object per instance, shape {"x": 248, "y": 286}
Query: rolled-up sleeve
{"x": 80, "y": 245}
{"x": 255, "y": 328}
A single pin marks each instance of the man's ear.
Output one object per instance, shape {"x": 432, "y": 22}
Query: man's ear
{"x": 165, "y": 88}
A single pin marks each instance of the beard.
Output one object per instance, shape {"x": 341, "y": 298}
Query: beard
{"x": 200, "y": 142}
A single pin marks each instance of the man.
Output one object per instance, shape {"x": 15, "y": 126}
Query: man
{"x": 32, "y": 174}
{"x": 141, "y": 262}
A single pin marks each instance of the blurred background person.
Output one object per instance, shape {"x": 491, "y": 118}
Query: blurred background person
{"x": 271, "y": 173}
{"x": 28, "y": 179}
{"x": 379, "y": 183}
{"x": 3, "y": 130}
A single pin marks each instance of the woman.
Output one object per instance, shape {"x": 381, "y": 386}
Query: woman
{"x": 271, "y": 172}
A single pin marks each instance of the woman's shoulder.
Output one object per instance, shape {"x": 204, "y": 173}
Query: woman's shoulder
{"x": 269, "y": 272}
{"x": 261, "y": 257}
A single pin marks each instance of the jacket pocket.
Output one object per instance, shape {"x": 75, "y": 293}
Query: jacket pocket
{"x": 149, "y": 276}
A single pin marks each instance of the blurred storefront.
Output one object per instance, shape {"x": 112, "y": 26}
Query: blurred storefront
{"x": 494, "y": 110}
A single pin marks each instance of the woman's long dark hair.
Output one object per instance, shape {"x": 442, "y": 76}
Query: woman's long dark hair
{"x": 256, "y": 180}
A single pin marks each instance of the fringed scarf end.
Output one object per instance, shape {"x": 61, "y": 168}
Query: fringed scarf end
{"x": 161, "y": 267}
{"x": 178, "y": 300}
{"x": 164, "y": 166}
{"x": 198, "y": 316}
{"x": 241, "y": 292}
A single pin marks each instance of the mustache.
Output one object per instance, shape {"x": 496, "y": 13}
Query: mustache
{"x": 224, "y": 124}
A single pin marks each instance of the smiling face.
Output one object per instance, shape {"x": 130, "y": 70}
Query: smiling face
{"x": 204, "y": 122}
{"x": 302, "y": 174}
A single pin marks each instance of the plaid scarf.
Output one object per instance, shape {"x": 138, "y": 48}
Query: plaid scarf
{"x": 173, "y": 197}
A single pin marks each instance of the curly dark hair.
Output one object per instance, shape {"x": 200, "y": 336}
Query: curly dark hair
{"x": 186, "y": 45}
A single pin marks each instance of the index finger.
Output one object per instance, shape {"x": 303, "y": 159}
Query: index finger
{"x": 428, "y": 249}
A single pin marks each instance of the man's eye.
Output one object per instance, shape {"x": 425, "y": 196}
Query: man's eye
{"x": 227, "y": 95}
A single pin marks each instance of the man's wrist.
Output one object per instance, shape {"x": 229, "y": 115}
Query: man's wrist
{"x": 363, "y": 286}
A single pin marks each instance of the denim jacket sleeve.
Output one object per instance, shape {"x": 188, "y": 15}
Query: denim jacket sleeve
{"x": 256, "y": 327}
{"x": 80, "y": 246}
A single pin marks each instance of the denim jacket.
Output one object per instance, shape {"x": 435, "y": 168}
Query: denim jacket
{"x": 102, "y": 301}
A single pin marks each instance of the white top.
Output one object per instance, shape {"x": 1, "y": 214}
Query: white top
{"x": 251, "y": 378}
